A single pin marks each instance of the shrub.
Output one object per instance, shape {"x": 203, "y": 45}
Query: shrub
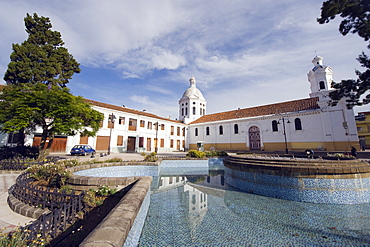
{"x": 105, "y": 191}
{"x": 196, "y": 154}
{"x": 152, "y": 157}
{"x": 19, "y": 237}
{"x": 215, "y": 153}
{"x": 69, "y": 162}
{"x": 18, "y": 152}
{"x": 55, "y": 175}
{"x": 95, "y": 198}
{"x": 113, "y": 160}
{"x": 91, "y": 199}
{"x": 241, "y": 153}
{"x": 66, "y": 189}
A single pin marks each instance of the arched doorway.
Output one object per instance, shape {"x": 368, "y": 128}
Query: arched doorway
{"x": 254, "y": 138}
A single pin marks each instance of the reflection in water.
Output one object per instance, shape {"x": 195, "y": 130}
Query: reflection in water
{"x": 205, "y": 211}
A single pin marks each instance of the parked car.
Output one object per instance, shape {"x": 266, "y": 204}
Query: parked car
{"x": 82, "y": 150}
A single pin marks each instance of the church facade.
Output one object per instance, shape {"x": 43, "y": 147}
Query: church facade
{"x": 294, "y": 125}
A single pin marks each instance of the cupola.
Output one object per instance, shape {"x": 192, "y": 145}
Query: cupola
{"x": 192, "y": 104}
{"x": 320, "y": 77}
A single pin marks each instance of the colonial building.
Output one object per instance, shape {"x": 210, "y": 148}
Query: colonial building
{"x": 294, "y": 125}
{"x": 122, "y": 130}
{"x": 363, "y": 129}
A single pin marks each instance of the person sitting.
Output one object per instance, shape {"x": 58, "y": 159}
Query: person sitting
{"x": 309, "y": 153}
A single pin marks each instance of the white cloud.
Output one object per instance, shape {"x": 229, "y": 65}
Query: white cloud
{"x": 251, "y": 52}
{"x": 144, "y": 100}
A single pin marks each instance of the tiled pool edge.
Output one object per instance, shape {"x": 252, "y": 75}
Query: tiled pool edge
{"x": 115, "y": 228}
{"x": 313, "y": 181}
{"x": 135, "y": 232}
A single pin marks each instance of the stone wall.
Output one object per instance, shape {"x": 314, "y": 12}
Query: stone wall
{"x": 114, "y": 229}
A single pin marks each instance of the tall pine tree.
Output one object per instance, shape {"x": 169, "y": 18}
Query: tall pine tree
{"x": 42, "y": 57}
{"x": 36, "y": 95}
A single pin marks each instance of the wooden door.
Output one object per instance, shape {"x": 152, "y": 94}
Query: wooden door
{"x": 131, "y": 142}
{"x": 149, "y": 144}
{"x": 254, "y": 138}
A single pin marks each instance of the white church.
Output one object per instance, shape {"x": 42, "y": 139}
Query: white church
{"x": 294, "y": 125}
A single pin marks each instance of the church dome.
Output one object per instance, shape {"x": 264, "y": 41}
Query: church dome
{"x": 193, "y": 92}
{"x": 192, "y": 104}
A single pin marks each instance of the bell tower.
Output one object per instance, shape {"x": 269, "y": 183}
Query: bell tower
{"x": 320, "y": 78}
{"x": 192, "y": 104}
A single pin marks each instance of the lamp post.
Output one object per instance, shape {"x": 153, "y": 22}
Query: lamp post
{"x": 111, "y": 121}
{"x": 156, "y": 137}
{"x": 284, "y": 133}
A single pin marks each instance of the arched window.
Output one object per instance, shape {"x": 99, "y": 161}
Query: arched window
{"x": 221, "y": 130}
{"x": 201, "y": 111}
{"x": 182, "y": 111}
{"x": 298, "y": 124}
{"x": 194, "y": 112}
{"x": 322, "y": 85}
{"x": 186, "y": 111}
{"x": 196, "y": 131}
{"x": 207, "y": 131}
{"x": 204, "y": 112}
{"x": 236, "y": 129}
{"x": 275, "y": 126}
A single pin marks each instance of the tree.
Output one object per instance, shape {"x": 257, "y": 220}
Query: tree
{"x": 36, "y": 95}
{"x": 356, "y": 19}
{"x": 42, "y": 57}
{"x": 54, "y": 110}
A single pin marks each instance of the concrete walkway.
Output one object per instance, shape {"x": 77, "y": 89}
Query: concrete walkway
{"x": 8, "y": 218}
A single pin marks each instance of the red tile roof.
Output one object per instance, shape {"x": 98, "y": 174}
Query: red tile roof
{"x": 279, "y": 108}
{"x": 128, "y": 110}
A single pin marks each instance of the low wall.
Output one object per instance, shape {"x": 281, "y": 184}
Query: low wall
{"x": 315, "y": 181}
{"x": 115, "y": 228}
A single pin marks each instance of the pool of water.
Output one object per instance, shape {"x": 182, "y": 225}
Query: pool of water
{"x": 198, "y": 208}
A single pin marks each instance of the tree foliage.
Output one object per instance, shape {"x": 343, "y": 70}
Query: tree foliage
{"x": 42, "y": 57}
{"x": 36, "y": 96}
{"x": 356, "y": 19}
{"x": 52, "y": 109}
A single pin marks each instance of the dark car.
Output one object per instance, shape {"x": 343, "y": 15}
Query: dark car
{"x": 82, "y": 150}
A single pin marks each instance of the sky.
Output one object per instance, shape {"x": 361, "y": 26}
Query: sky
{"x": 141, "y": 54}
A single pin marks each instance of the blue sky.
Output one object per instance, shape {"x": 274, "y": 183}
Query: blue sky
{"x": 141, "y": 54}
